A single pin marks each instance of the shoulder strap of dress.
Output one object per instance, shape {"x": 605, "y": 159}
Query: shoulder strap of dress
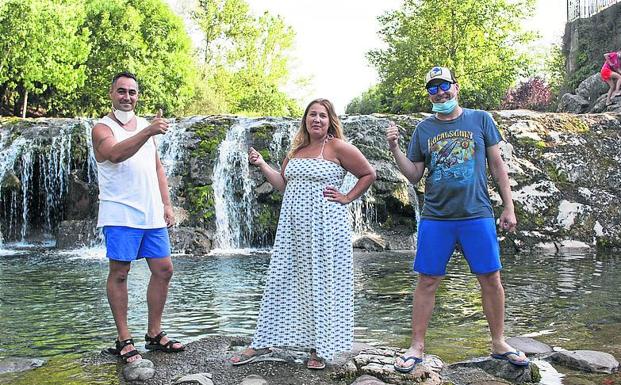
{"x": 323, "y": 145}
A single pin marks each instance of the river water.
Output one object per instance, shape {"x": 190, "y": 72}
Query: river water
{"x": 53, "y": 305}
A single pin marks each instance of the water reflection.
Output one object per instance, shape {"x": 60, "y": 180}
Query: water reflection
{"x": 54, "y": 304}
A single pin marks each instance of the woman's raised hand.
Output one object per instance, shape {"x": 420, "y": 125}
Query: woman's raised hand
{"x": 254, "y": 157}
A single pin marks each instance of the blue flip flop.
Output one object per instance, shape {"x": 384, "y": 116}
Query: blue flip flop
{"x": 407, "y": 369}
{"x": 506, "y": 356}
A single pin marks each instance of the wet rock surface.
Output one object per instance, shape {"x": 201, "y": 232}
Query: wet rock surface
{"x": 18, "y": 364}
{"x": 586, "y": 360}
{"x": 529, "y": 345}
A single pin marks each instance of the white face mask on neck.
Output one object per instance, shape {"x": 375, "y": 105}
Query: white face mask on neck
{"x": 123, "y": 116}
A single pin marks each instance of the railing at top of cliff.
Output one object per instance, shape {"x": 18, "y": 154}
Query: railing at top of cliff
{"x": 577, "y": 9}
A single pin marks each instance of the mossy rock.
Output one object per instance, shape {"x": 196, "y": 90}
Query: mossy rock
{"x": 201, "y": 203}
{"x": 210, "y": 134}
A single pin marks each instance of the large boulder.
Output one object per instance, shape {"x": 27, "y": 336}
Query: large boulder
{"x": 592, "y": 88}
{"x": 574, "y": 104}
{"x": 586, "y": 360}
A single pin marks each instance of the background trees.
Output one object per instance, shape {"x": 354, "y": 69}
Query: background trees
{"x": 478, "y": 39}
{"x": 247, "y": 57}
{"x": 58, "y": 57}
{"x": 43, "y": 44}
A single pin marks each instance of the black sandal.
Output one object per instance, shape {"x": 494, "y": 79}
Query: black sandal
{"x": 153, "y": 343}
{"x": 120, "y": 345}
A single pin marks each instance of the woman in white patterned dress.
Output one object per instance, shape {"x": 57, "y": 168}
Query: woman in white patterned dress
{"x": 308, "y": 298}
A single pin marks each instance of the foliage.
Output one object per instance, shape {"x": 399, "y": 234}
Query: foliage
{"x": 533, "y": 94}
{"x": 68, "y": 51}
{"x": 478, "y": 39}
{"x": 367, "y": 103}
{"x": 246, "y": 59}
{"x": 43, "y": 44}
{"x": 144, "y": 37}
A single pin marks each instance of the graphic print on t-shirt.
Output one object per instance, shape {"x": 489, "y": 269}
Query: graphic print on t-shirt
{"x": 452, "y": 156}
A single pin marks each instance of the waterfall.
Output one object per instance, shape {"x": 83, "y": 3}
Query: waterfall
{"x": 233, "y": 189}
{"x": 34, "y": 168}
{"x": 234, "y": 195}
{"x": 362, "y": 210}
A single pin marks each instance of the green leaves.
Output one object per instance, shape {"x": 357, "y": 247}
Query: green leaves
{"x": 43, "y": 44}
{"x": 246, "y": 58}
{"x": 475, "y": 38}
{"x": 60, "y": 56}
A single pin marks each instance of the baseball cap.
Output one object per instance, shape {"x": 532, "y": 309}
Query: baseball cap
{"x": 439, "y": 73}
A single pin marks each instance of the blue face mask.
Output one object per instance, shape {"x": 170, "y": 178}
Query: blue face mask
{"x": 446, "y": 107}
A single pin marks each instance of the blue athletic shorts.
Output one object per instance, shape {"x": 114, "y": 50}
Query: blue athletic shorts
{"x": 437, "y": 240}
{"x": 128, "y": 243}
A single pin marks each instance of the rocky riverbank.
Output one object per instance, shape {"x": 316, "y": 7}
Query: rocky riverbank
{"x": 206, "y": 360}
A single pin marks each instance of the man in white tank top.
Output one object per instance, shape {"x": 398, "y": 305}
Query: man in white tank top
{"x": 134, "y": 211}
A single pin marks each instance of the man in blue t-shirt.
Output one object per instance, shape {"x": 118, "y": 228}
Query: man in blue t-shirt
{"x": 456, "y": 145}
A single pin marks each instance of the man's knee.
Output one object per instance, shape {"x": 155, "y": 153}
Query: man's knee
{"x": 428, "y": 283}
{"x": 163, "y": 271}
{"x": 490, "y": 282}
{"x": 118, "y": 271}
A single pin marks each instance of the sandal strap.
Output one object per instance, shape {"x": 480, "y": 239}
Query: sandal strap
{"x": 121, "y": 344}
{"x": 156, "y": 339}
{"x": 170, "y": 343}
{"x": 125, "y": 357}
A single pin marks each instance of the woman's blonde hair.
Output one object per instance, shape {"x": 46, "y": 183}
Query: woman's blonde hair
{"x": 302, "y": 137}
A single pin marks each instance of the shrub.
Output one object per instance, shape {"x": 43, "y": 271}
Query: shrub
{"x": 532, "y": 94}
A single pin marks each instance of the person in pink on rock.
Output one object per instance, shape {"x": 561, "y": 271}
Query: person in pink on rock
{"x": 611, "y": 75}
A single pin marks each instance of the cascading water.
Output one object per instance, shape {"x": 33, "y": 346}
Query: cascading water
{"x": 234, "y": 195}
{"x": 362, "y": 210}
{"x": 233, "y": 189}
{"x": 34, "y": 168}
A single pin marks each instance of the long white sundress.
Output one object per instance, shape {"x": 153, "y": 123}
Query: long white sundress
{"x": 308, "y": 298}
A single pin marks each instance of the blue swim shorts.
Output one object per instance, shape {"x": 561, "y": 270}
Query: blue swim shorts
{"x": 128, "y": 243}
{"x": 437, "y": 240}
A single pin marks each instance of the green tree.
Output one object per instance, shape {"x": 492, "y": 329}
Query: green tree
{"x": 478, "y": 39}
{"x": 246, "y": 59}
{"x": 367, "y": 103}
{"x": 146, "y": 38}
{"x": 43, "y": 45}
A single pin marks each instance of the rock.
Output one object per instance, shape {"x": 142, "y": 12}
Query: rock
{"x": 17, "y": 364}
{"x": 195, "y": 379}
{"x": 592, "y": 88}
{"x": 574, "y": 104}
{"x": 77, "y": 233}
{"x": 140, "y": 370}
{"x": 10, "y": 182}
{"x": 529, "y": 345}
{"x": 190, "y": 240}
{"x": 470, "y": 376}
{"x": 586, "y": 360}
{"x": 370, "y": 242}
{"x": 502, "y": 369}
{"x": 82, "y": 199}
{"x": 367, "y": 380}
{"x": 254, "y": 379}
{"x": 378, "y": 363}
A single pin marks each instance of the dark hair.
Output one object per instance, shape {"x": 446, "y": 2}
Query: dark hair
{"x": 124, "y": 74}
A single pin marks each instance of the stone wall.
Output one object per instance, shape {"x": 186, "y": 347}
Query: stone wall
{"x": 587, "y": 40}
